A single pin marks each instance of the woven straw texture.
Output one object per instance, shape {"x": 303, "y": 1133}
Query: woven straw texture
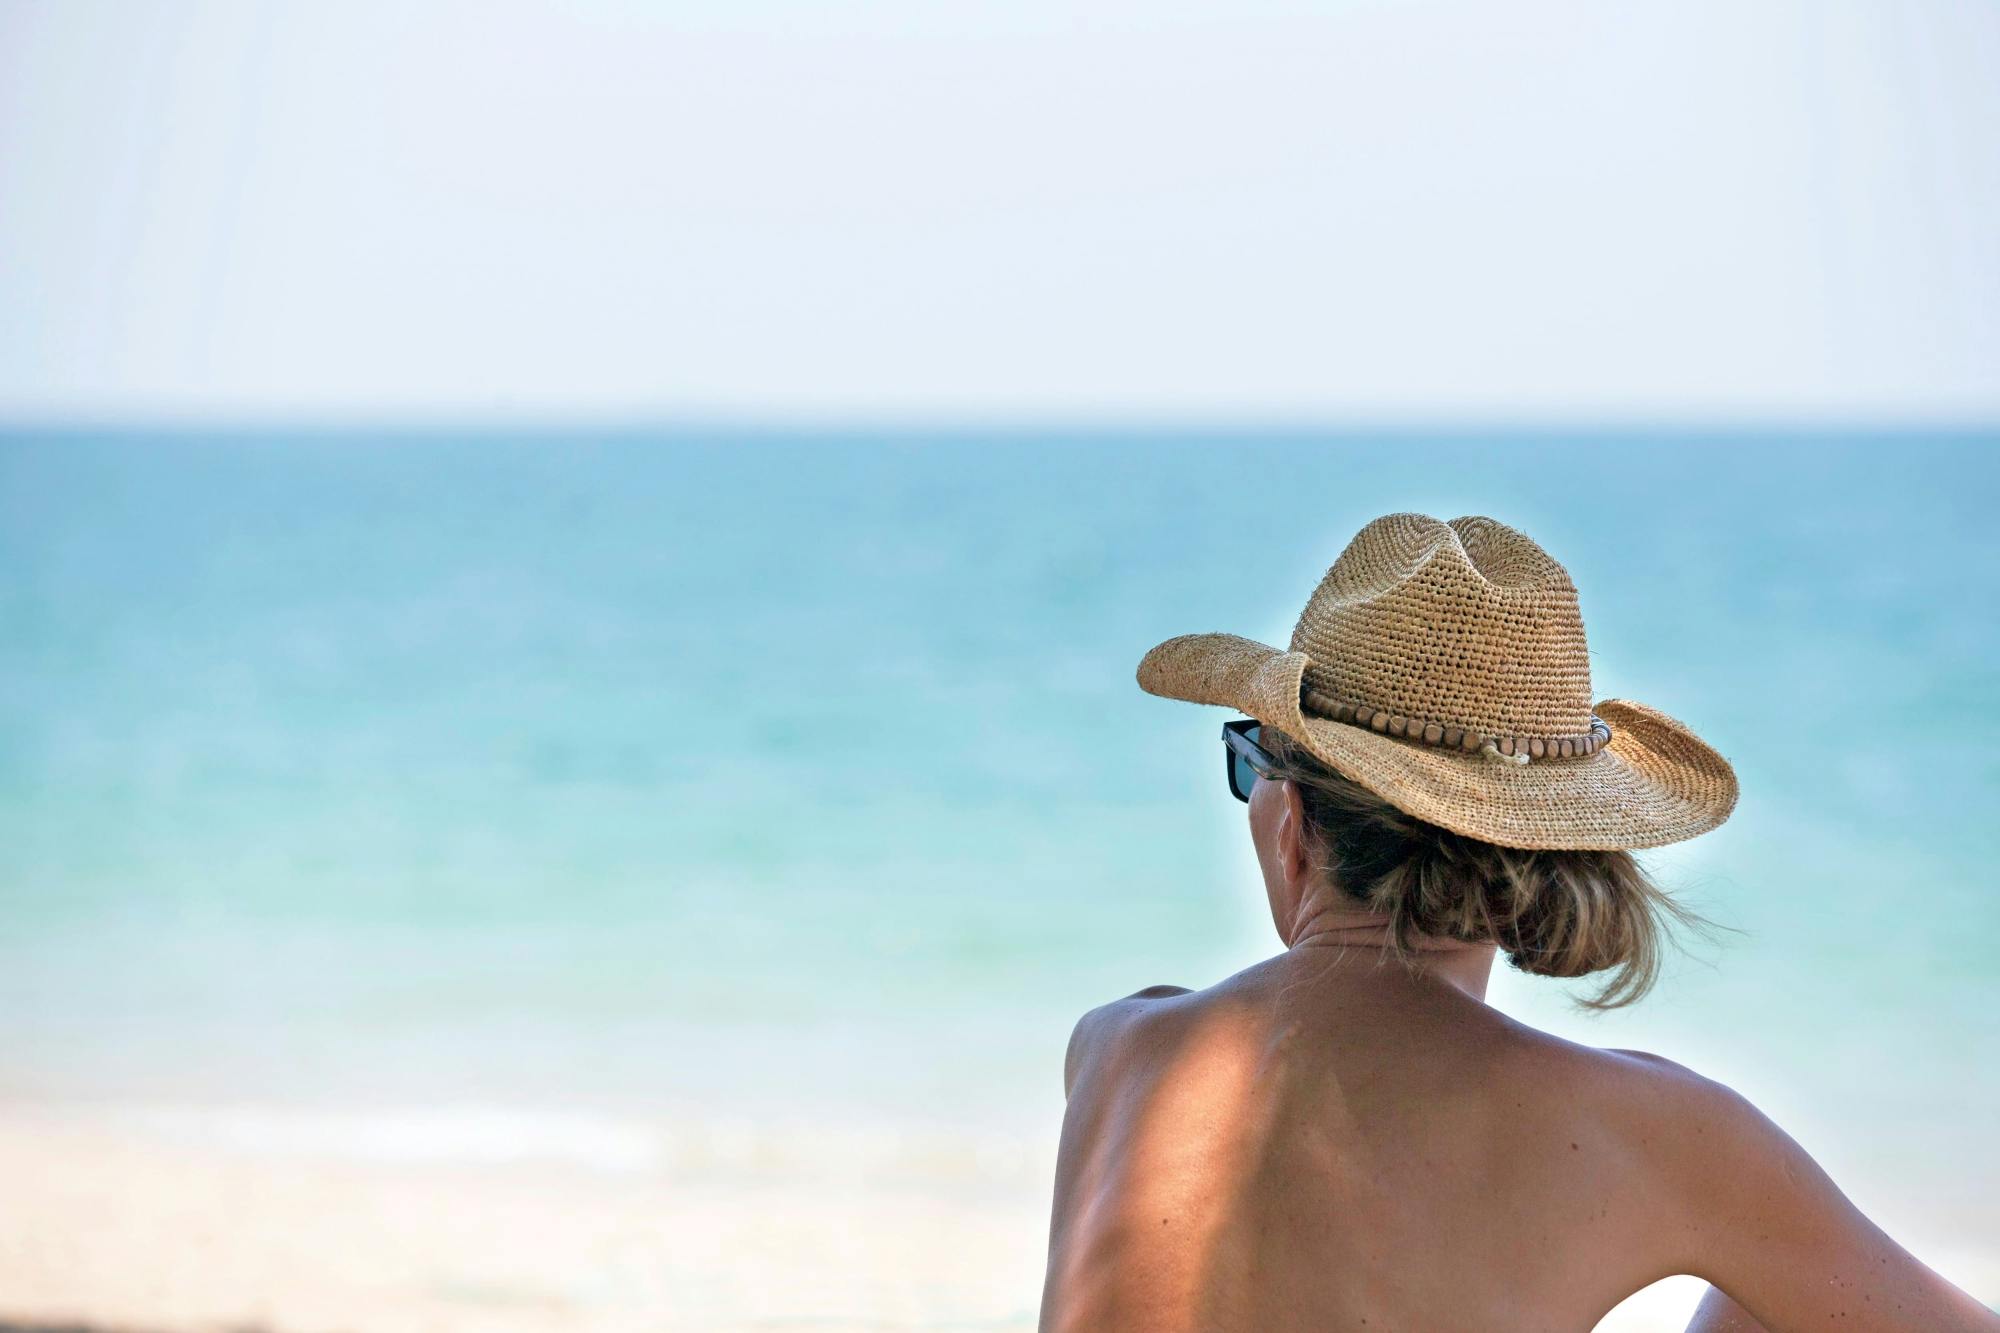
{"x": 1471, "y": 625}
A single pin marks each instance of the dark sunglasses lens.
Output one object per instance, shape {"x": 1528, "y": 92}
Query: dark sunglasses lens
{"x": 1242, "y": 777}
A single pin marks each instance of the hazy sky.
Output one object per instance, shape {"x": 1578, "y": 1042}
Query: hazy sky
{"x": 1032, "y": 207}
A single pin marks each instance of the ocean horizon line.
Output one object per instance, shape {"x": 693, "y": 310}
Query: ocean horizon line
{"x": 975, "y": 427}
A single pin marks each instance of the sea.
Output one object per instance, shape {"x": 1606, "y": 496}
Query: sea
{"x": 708, "y": 800}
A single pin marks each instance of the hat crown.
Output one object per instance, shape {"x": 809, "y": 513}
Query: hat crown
{"x": 1467, "y": 624}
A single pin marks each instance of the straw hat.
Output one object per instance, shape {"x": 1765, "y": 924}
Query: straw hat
{"x": 1443, "y": 667}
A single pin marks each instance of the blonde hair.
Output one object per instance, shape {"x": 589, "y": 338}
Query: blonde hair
{"x": 1553, "y": 913}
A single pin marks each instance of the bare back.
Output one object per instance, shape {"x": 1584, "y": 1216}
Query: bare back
{"x": 1326, "y": 1142}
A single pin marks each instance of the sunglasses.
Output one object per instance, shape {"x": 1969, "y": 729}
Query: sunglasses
{"x": 1243, "y": 758}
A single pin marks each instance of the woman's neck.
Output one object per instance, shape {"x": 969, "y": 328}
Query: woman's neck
{"x": 1330, "y": 924}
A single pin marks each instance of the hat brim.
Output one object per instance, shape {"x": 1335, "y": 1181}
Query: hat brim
{"x": 1655, "y": 783}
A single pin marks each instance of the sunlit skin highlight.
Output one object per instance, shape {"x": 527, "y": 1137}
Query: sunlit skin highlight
{"x": 1330, "y": 1139}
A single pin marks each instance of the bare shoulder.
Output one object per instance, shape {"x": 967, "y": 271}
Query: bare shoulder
{"x": 1102, "y": 1032}
{"x": 1649, "y": 1088}
{"x": 1673, "y": 1121}
{"x": 1689, "y": 1121}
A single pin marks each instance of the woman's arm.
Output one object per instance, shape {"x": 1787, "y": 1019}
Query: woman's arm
{"x": 1769, "y": 1228}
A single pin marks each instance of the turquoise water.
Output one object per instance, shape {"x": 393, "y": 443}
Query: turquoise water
{"x": 727, "y": 772}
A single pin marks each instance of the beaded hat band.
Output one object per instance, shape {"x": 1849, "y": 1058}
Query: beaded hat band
{"x": 1521, "y": 749}
{"x": 1432, "y": 649}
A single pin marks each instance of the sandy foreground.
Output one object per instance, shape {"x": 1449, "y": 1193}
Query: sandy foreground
{"x": 441, "y": 1222}
{"x": 316, "y": 1225}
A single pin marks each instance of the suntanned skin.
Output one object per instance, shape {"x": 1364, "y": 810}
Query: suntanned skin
{"x": 1330, "y": 1141}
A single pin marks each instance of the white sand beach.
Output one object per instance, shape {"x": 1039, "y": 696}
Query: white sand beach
{"x": 178, "y": 1222}
{"x": 184, "y": 1221}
